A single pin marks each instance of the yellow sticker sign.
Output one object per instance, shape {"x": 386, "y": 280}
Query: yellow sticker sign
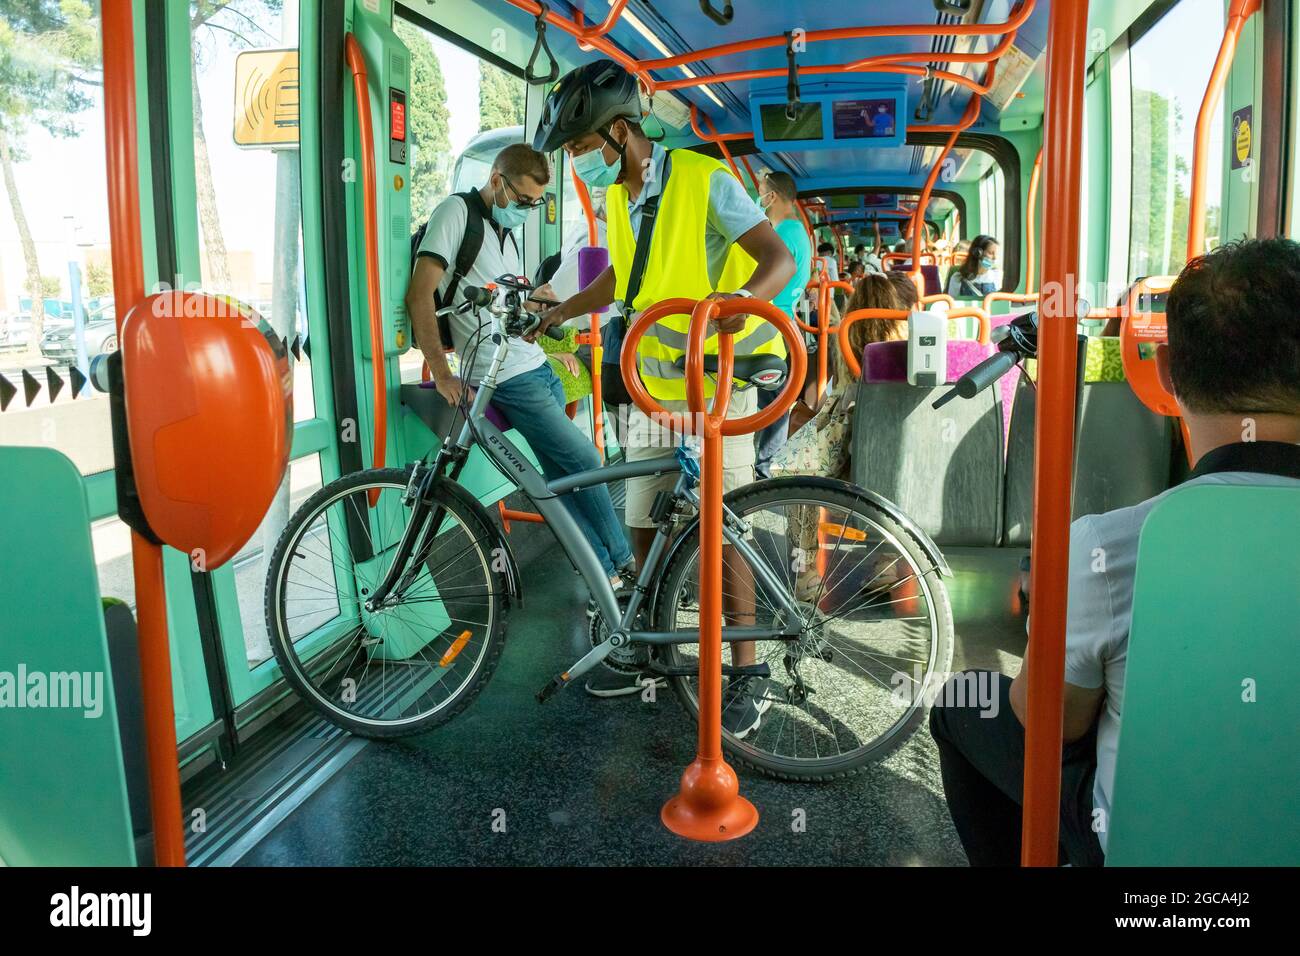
{"x": 1242, "y": 136}
{"x": 266, "y": 98}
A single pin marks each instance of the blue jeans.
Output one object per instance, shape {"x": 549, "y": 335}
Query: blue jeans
{"x": 534, "y": 405}
{"x": 769, "y": 441}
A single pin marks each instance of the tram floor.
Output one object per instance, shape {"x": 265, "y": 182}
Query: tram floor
{"x": 580, "y": 781}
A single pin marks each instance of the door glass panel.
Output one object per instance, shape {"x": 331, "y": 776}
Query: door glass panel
{"x": 463, "y": 110}
{"x": 246, "y": 169}
{"x": 251, "y": 563}
{"x": 1171, "y": 66}
{"x": 56, "y": 304}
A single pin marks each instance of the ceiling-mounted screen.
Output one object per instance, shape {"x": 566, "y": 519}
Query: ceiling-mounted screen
{"x": 869, "y": 115}
{"x": 845, "y": 202}
{"x": 779, "y": 127}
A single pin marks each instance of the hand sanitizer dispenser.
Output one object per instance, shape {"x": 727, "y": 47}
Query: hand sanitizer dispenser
{"x": 927, "y": 349}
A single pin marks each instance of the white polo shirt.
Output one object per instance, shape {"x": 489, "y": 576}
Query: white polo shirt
{"x": 1101, "y": 601}
{"x": 498, "y": 256}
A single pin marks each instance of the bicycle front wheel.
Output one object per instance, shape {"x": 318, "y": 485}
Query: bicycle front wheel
{"x": 875, "y": 630}
{"x": 420, "y": 657}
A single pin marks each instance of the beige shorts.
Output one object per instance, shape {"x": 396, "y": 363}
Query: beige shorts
{"x": 647, "y": 439}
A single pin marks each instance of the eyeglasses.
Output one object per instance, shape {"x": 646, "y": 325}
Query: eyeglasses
{"x": 520, "y": 199}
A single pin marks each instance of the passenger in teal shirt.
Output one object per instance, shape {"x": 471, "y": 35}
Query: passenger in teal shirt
{"x": 777, "y": 195}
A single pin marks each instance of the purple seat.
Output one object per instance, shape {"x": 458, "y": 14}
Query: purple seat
{"x": 887, "y": 361}
{"x": 933, "y": 286}
{"x": 494, "y": 416}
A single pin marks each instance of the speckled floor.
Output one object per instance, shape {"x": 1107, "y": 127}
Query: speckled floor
{"x": 580, "y": 781}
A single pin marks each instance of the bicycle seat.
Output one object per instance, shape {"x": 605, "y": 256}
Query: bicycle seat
{"x": 762, "y": 370}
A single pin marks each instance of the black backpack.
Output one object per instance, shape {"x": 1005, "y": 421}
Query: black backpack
{"x": 470, "y": 244}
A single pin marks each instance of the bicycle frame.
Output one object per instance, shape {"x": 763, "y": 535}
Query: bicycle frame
{"x": 546, "y": 496}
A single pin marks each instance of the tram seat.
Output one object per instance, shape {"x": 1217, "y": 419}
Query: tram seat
{"x": 933, "y": 284}
{"x": 1207, "y": 768}
{"x": 1111, "y": 418}
{"x": 944, "y": 468}
{"x": 433, "y": 410}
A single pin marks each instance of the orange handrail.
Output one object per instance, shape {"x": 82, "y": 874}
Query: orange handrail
{"x": 594, "y": 39}
{"x": 122, "y": 163}
{"x": 898, "y": 315}
{"x": 708, "y": 805}
{"x": 1238, "y": 13}
{"x": 943, "y": 297}
{"x": 1017, "y": 19}
{"x": 1054, "y": 434}
{"x": 967, "y": 120}
{"x": 592, "y": 338}
{"x": 1031, "y": 228}
{"x": 1015, "y": 298}
{"x": 356, "y": 61}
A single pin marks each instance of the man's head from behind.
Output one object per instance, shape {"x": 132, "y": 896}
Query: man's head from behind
{"x": 1234, "y": 336}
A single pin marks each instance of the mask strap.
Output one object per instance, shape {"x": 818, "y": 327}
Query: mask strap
{"x": 620, "y": 149}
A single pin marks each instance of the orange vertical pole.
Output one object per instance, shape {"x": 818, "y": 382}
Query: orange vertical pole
{"x": 356, "y": 61}
{"x": 1054, "y": 433}
{"x": 708, "y": 805}
{"x": 1238, "y": 14}
{"x": 122, "y": 161}
{"x": 1031, "y": 230}
{"x": 593, "y": 336}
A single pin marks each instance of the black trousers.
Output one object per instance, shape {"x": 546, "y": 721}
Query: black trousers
{"x": 982, "y": 760}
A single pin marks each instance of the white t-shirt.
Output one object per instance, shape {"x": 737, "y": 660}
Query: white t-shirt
{"x": 498, "y": 256}
{"x": 1101, "y": 612}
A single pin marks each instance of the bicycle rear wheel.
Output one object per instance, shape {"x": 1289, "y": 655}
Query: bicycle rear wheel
{"x": 414, "y": 662}
{"x": 876, "y": 628}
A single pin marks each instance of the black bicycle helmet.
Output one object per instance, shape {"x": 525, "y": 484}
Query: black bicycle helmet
{"x": 584, "y": 100}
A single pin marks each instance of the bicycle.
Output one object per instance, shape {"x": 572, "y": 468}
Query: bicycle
{"x": 404, "y": 630}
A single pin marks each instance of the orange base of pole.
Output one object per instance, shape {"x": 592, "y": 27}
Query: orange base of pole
{"x": 709, "y": 807}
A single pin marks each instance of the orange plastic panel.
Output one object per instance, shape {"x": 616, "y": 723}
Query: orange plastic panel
{"x": 209, "y": 409}
{"x": 1140, "y": 332}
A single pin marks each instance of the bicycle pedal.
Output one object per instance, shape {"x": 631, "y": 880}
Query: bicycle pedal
{"x": 555, "y": 685}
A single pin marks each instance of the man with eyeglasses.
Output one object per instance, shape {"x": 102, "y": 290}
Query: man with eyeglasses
{"x": 528, "y": 393}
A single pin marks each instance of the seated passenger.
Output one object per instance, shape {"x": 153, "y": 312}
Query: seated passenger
{"x": 821, "y": 446}
{"x": 528, "y": 392}
{"x": 978, "y": 274}
{"x": 1233, "y": 363}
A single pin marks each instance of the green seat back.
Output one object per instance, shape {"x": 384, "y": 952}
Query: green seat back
{"x": 1208, "y": 768}
{"x": 63, "y": 798}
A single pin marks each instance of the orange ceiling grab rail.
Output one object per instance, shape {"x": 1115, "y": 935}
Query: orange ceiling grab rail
{"x": 923, "y": 201}
{"x": 1054, "y": 434}
{"x": 122, "y": 162}
{"x": 1238, "y": 13}
{"x": 1031, "y": 227}
{"x": 1014, "y": 21}
{"x": 356, "y": 61}
{"x": 616, "y": 8}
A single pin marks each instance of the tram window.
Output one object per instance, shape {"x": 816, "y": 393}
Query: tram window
{"x": 456, "y": 128}
{"x": 992, "y": 200}
{"x": 56, "y": 304}
{"x": 249, "y": 196}
{"x": 250, "y": 564}
{"x": 1171, "y": 65}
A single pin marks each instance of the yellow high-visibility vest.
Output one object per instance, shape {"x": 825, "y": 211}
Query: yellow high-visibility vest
{"x": 678, "y": 267}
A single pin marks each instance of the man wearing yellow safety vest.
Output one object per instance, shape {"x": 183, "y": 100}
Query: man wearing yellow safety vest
{"x": 680, "y": 225}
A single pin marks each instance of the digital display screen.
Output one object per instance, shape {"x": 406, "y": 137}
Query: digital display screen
{"x": 865, "y": 119}
{"x": 844, "y": 202}
{"x": 807, "y": 122}
{"x": 927, "y": 341}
